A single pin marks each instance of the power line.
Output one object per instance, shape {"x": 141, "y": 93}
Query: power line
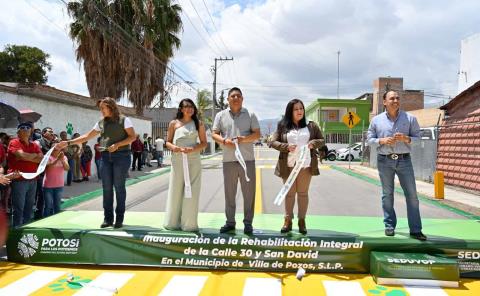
{"x": 158, "y": 50}
{"x": 44, "y": 16}
{"x": 198, "y": 32}
{"x": 204, "y": 26}
{"x": 128, "y": 43}
{"x": 216, "y": 29}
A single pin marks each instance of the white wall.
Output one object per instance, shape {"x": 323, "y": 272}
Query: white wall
{"x": 469, "y": 72}
{"x": 57, "y": 115}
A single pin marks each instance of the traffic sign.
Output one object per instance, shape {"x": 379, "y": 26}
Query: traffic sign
{"x": 351, "y": 119}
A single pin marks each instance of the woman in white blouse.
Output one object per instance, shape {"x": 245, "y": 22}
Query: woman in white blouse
{"x": 291, "y": 135}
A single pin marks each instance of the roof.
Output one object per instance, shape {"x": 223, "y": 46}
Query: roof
{"x": 460, "y": 95}
{"x": 50, "y": 93}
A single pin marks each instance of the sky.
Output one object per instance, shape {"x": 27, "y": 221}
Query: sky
{"x": 282, "y": 49}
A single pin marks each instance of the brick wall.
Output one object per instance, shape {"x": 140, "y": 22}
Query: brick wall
{"x": 459, "y": 151}
{"x": 411, "y": 100}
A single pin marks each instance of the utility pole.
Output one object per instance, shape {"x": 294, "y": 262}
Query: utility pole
{"x": 338, "y": 74}
{"x": 214, "y": 96}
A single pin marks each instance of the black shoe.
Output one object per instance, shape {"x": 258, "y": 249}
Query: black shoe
{"x": 106, "y": 224}
{"x": 118, "y": 225}
{"x": 227, "y": 228}
{"x": 418, "y": 235}
{"x": 389, "y": 232}
{"x": 133, "y": 169}
{"x": 248, "y": 229}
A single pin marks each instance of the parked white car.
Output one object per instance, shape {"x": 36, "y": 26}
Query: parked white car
{"x": 350, "y": 153}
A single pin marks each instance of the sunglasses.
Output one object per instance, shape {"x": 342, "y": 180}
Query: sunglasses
{"x": 187, "y": 106}
{"x": 24, "y": 128}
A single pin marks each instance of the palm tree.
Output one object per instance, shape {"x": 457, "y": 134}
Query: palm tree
{"x": 125, "y": 46}
{"x": 204, "y": 102}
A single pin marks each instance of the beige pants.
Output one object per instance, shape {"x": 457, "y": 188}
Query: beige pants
{"x": 300, "y": 189}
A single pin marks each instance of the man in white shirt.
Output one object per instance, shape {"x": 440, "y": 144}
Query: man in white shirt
{"x": 159, "y": 143}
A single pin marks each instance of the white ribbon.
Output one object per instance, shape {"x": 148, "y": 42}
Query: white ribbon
{"x": 240, "y": 159}
{"x": 186, "y": 176}
{"x": 41, "y": 167}
{"x": 301, "y": 158}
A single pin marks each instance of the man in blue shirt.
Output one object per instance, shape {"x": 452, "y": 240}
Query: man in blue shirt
{"x": 393, "y": 131}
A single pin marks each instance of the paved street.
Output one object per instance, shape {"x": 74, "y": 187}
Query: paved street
{"x": 331, "y": 193}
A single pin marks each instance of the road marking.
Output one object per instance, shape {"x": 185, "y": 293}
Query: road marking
{"x": 265, "y": 166}
{"x": 185, "y": 285}
{"x": 425, "y": 291}
{"x": 107, "y": 283}
{"x": 262, "y": 286}
{"x": 342, "y": 288}
{"x": 31, "y": 282}
{"x": 258, "y": 191}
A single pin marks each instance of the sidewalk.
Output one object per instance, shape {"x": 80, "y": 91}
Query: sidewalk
{"x": 93, "y": 184}
{"x": 80, "y": 192}
{"x": 454, "y": 196}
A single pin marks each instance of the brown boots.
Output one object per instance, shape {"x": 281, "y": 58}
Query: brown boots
{"x": 287, "y": 226}
{"x": 302, "y": 228}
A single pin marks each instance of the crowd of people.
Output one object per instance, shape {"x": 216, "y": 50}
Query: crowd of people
{"x": 41, "y": 197}
{"x": 236, "y": 129}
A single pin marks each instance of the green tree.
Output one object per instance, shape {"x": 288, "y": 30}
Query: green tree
{"x": 125, "y": 46}
{"x": 24, "y": 64}
{"x": 221, "y": 104}
{"x": 204, "y": 102}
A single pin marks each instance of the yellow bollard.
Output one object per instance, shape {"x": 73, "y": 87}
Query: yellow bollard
{"x": 438, "y": 184}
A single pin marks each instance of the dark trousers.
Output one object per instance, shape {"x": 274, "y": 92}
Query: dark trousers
{"x": 39, "y": 202}
{"x": 137, "y": 157}
{"x": 23, "y": 199}
{"x": 98, "y": 163}
{"x": 70, "y": 172}
{"x": 114, "y": 173}
{"x": 232, "y": 173}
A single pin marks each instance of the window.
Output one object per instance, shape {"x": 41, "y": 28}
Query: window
{"x": 330, "y": 115}
{"x": 426, "y": 134}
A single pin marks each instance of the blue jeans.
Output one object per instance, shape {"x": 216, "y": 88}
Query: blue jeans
{"x": 159, "y": 157}
{"x": 387, "y": 168}
{"x": 114, "y": 173}
{"x": 23, "y": 199}
{"x": 53, "y": 197}
{"x": 98, "y": 163}
{"x": 70, "y": 172}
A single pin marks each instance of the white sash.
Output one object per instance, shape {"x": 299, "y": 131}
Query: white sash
{"x": 301, "y": 158}
{"x": 240, "y": 159}
{"x": 41, "y": 167}
{"x": 186, "y": 176}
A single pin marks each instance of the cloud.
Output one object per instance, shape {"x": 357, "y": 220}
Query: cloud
{"x": 44, "y": 24}
{"x": 283, "y": 49}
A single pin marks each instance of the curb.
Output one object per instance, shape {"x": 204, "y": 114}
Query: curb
{"x": 421, "y": 197}
{"x": 73, "y": 201}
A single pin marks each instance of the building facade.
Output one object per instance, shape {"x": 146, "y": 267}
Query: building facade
{"x": 328, "y": 114}
{"x": 459, "y": 140}
{"x": 469, "y": 71}
{"x": 410, "y": 99}
{"x": 60, "y": 109}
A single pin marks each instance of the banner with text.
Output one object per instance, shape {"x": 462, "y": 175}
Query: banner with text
{"x": 261, "y": 252}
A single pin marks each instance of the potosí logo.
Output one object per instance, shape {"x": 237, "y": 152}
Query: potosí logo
{"x": 61, "y": 242}
{"x": 28, "y": 245}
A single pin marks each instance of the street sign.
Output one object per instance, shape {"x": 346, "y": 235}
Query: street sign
{"x": 351, "y": 119}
